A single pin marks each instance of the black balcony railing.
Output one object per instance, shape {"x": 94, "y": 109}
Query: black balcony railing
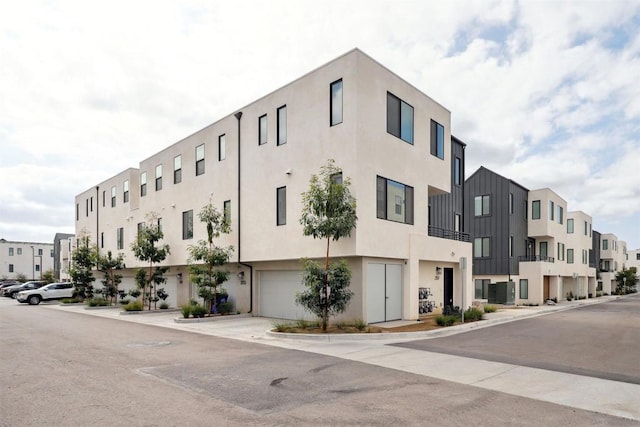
{"x": 536, "y": 258}
{"x": 448, "y": 234}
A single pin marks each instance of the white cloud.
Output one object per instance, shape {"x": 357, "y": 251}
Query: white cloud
{"x": 90, "y": 89}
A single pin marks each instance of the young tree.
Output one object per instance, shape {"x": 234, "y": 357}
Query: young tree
{"x": 82, "y": 261}
{"x": 205, "y": 258}
{"x": 108, "y": 265}
{"x": 144, "y": 249}
{"x": 328, "y": 212}
{"x": 626, "y": 281}
{"x": 49, "y": 276}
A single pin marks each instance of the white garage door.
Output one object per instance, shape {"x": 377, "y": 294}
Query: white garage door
{"x": 278, "y": 295}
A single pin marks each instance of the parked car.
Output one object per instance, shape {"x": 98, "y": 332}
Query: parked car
{"x": 48, "y": 292}
{"x": 7, "y": 283}
{"x": 12, "y": 291}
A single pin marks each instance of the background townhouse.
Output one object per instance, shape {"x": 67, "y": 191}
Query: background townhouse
{"x": 30, "y": 259}
{"x": 613, "y": 258}
{"x": 386, "y": 135}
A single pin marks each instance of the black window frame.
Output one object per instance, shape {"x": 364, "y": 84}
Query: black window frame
{"x": 143, "y": 184}
{"x": 262, "y": 130}
{"x": 485, "y": 201}
{"x": 457, "y": 171}
{"x": 187, "y": 225}
{"x": 437, "y": 143}
{"x": 113, "y": 196}
{"x": 482, "y": 247}
{"x": 200, "y": 165}
{"x": 395, "y": 114}
{"x": 158, "y": 181}
{"x": 333, "y": 101}
{"x": 382, "y": 202}
{"x": 535, "y": 203}
{"x": 222, "y": 147}
{"x": 177, "y": 171}
{"x": 281, "y": 206}
{"x": 125, "y": 191}
{"x": 281, "y": 128}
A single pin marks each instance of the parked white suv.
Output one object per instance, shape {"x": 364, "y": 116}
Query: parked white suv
{"x": 48, "y": 292}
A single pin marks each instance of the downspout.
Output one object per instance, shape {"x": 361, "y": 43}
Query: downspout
{"x": 238, "y": 116}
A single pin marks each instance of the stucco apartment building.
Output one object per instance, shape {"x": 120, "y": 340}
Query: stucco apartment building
{"x": 392, "y": 140}
{"x": 613, "y": 258}
{"x": 527, "y": 237}
{"x": 30, "y": 259}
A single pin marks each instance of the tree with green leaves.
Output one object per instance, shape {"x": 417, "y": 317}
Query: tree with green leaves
{"x": 626, "y": 281}
{"x": 109, "y": 266}
{"x": 83, "y": 260}
{"x": 206, "y": 258}
{"x": 49, "y": 276}
{"x": 145, "y": 248}
{"x": 328, "y": 212}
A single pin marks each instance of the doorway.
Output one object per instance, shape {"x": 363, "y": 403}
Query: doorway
{"x": 448, "y": 287}
{"x": 384, "y": 292}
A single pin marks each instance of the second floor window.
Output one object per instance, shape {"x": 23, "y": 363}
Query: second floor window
{"x": 399, "y": 118}
{"x": 570, "y": 226}
{"x": 177, "y": 169}
{"x": 437, "y": 139}
{"x": 481, "y": 247}
{"x": 569, "y": 256}
{"x": 605, "y": 244}
{"x": 482, "y": 205}
{"x": 120, "y": 238}
{"x": 394, "y": 201}
{"x": 551, "y": 210}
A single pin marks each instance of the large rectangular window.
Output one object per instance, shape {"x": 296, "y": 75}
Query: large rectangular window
{"x": 524, "y": 288}
{"x": 120, "y": 238}
{"x": 482, "y": 205}
{"x": 200, "y": 159}
{"x": 187, "y": 225}
{"x": 394, "y": 201}
{"x": 535, "y": 209}
{"x": 481, "y": 247}
{"x": 177, "y": 169}
{"x": 125, "y": 191}
{"x": 281, "y": 206}
{"x": 143, "y": 184}
{"x": 570, "y": 225}
{"x": 437, "y": 139}
{"x": 457, "y": 171}
{"x": 222, "y": 147}
{"x": 399, "y": 118}
{"x": 560, "y": 214}
{"x": 281, "y": 128}
{"x": 262, "y": 129}
{"x": 158, "y": 177}
{"x": 551, "y": 210}
{"x": 569, "y": 256}
{"x": 113, "y": 196}
{"x": 335, "y": 96}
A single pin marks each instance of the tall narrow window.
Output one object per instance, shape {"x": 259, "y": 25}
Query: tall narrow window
{"x": 120, "y": 238}
{"x": 394, "y": 201}
{"x": 91, "y": 204}
{"x": 159, "y": 223}
{"x": 560, "y": 254}
{"x": 143, "y": 184}
{"x": 524, "y": 288}
{"x": 200, "y": 159}
{"x": 158, "y": 177}
{"x": 560, "y": 214}
{"x": 569, "y": 256}
{"x": 437, "y": 139}
{"x": 262, "y": 129}
{"x": 482, "y": 205}
{"x": 585, "y": 228}
{"x": 570, "y": 225}
{"x": 551, "y": 210}
{"x": 281, "y": 206}
{"x": 458, "y": 223}
{"x": 281, "y": 129}
{"x": 102, "y": 239}
{"x": 113, "y": 196}
{"x": 177, "y": 169}
{"x": 605, "y": 244}
{"x": 535, "y": 209}
{"x": 77, "y": 211}
{"x": 86, "y": 207}
{"x": 10, "y": 251}
{"x": 11, "y": 268}
{"x": 187, "y": 225}
{"x": 399, "y": 118}
{"x": 125, "y": 191}
{"x": 510, "y": 203}
{"x": 510, "y": 246}
{"x": 543, "y": 250}
{"x": 222, "y": 147}
{"x": 227, "y": 210}
{"x": 457, "y": 171}
{"x": 335, "y": 110}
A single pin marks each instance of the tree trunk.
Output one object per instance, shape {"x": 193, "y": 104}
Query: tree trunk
{"x": 325, "y": 308}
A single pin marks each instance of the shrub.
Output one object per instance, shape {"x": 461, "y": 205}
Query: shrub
{"x": 164, "y": 305}
{"x": 341, "y": 325}
{"x": 360, "y": 324}
{"x": 69, "y": 300}
{"x": 133, "y": 306}
{"x": 186, "y": 310}
{"x": 124, "y": 301}
{"x": 198, "y": 310}
{"x": 446, "y": 320}
{"x": 225, "y": 307}
{"x": 472, "y": 314}
{"x": 490, "y": 308}
{"x": 98, "y": 302}
{"x": 451, "y": 310}
{"x": 281, "y": 326}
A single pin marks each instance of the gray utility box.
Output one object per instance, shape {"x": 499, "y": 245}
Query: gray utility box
{"x": 502, "y": 293}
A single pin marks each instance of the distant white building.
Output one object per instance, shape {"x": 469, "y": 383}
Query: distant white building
{"x": 30, "y": 259}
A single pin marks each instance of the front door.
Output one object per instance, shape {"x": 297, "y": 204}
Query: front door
{"x": 545, "y": 288}
{"x": 448, "y": 287}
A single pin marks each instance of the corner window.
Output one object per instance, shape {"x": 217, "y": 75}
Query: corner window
{"x": 158, "y": 177}
{"x": 222, "y": 147}
{"x": 457, "y": 171}
{"x": 143, "y": 184}
{"x": 524, "y": 288}
{"x": 125, "y": 191}
{"x": 481, "y": 247}
{"x": 394, "y": 201}
{"x": 281, "y": 128}
{"x": 281, "y": 206}
{"x": 200, "y": 159}
{"x": 177, "y": 169}
{"x": 262, "y": 129}
{"x": 437, "y": 139}
{"x": 535, "y": 209}
{"x": 335, "y": 97}
{"x": 482, "y": 205}
{"x": 570, "y": 226}
{"x": 399, "y": 118}
{"x": 113, "y": 196}
{"x": 187, "y": 225}
{"x": 120, "y": 238}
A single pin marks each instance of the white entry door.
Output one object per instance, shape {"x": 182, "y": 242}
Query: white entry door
{"x": 384, "y": 292}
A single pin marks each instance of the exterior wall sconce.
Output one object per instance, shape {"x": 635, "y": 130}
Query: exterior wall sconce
{"x": 179, "y": 276}
{"x": 241, "y": 275}
{"x": 438, "y": 270}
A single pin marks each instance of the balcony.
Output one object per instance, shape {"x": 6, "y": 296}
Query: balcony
{"x": 536, "y": 258}
{"x": 443, "y": 233}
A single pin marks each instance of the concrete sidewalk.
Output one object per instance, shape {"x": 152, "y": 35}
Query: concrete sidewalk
{"x": 588, "y": 393}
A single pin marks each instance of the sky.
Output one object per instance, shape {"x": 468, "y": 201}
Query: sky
{"x": 546, "y": 93}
